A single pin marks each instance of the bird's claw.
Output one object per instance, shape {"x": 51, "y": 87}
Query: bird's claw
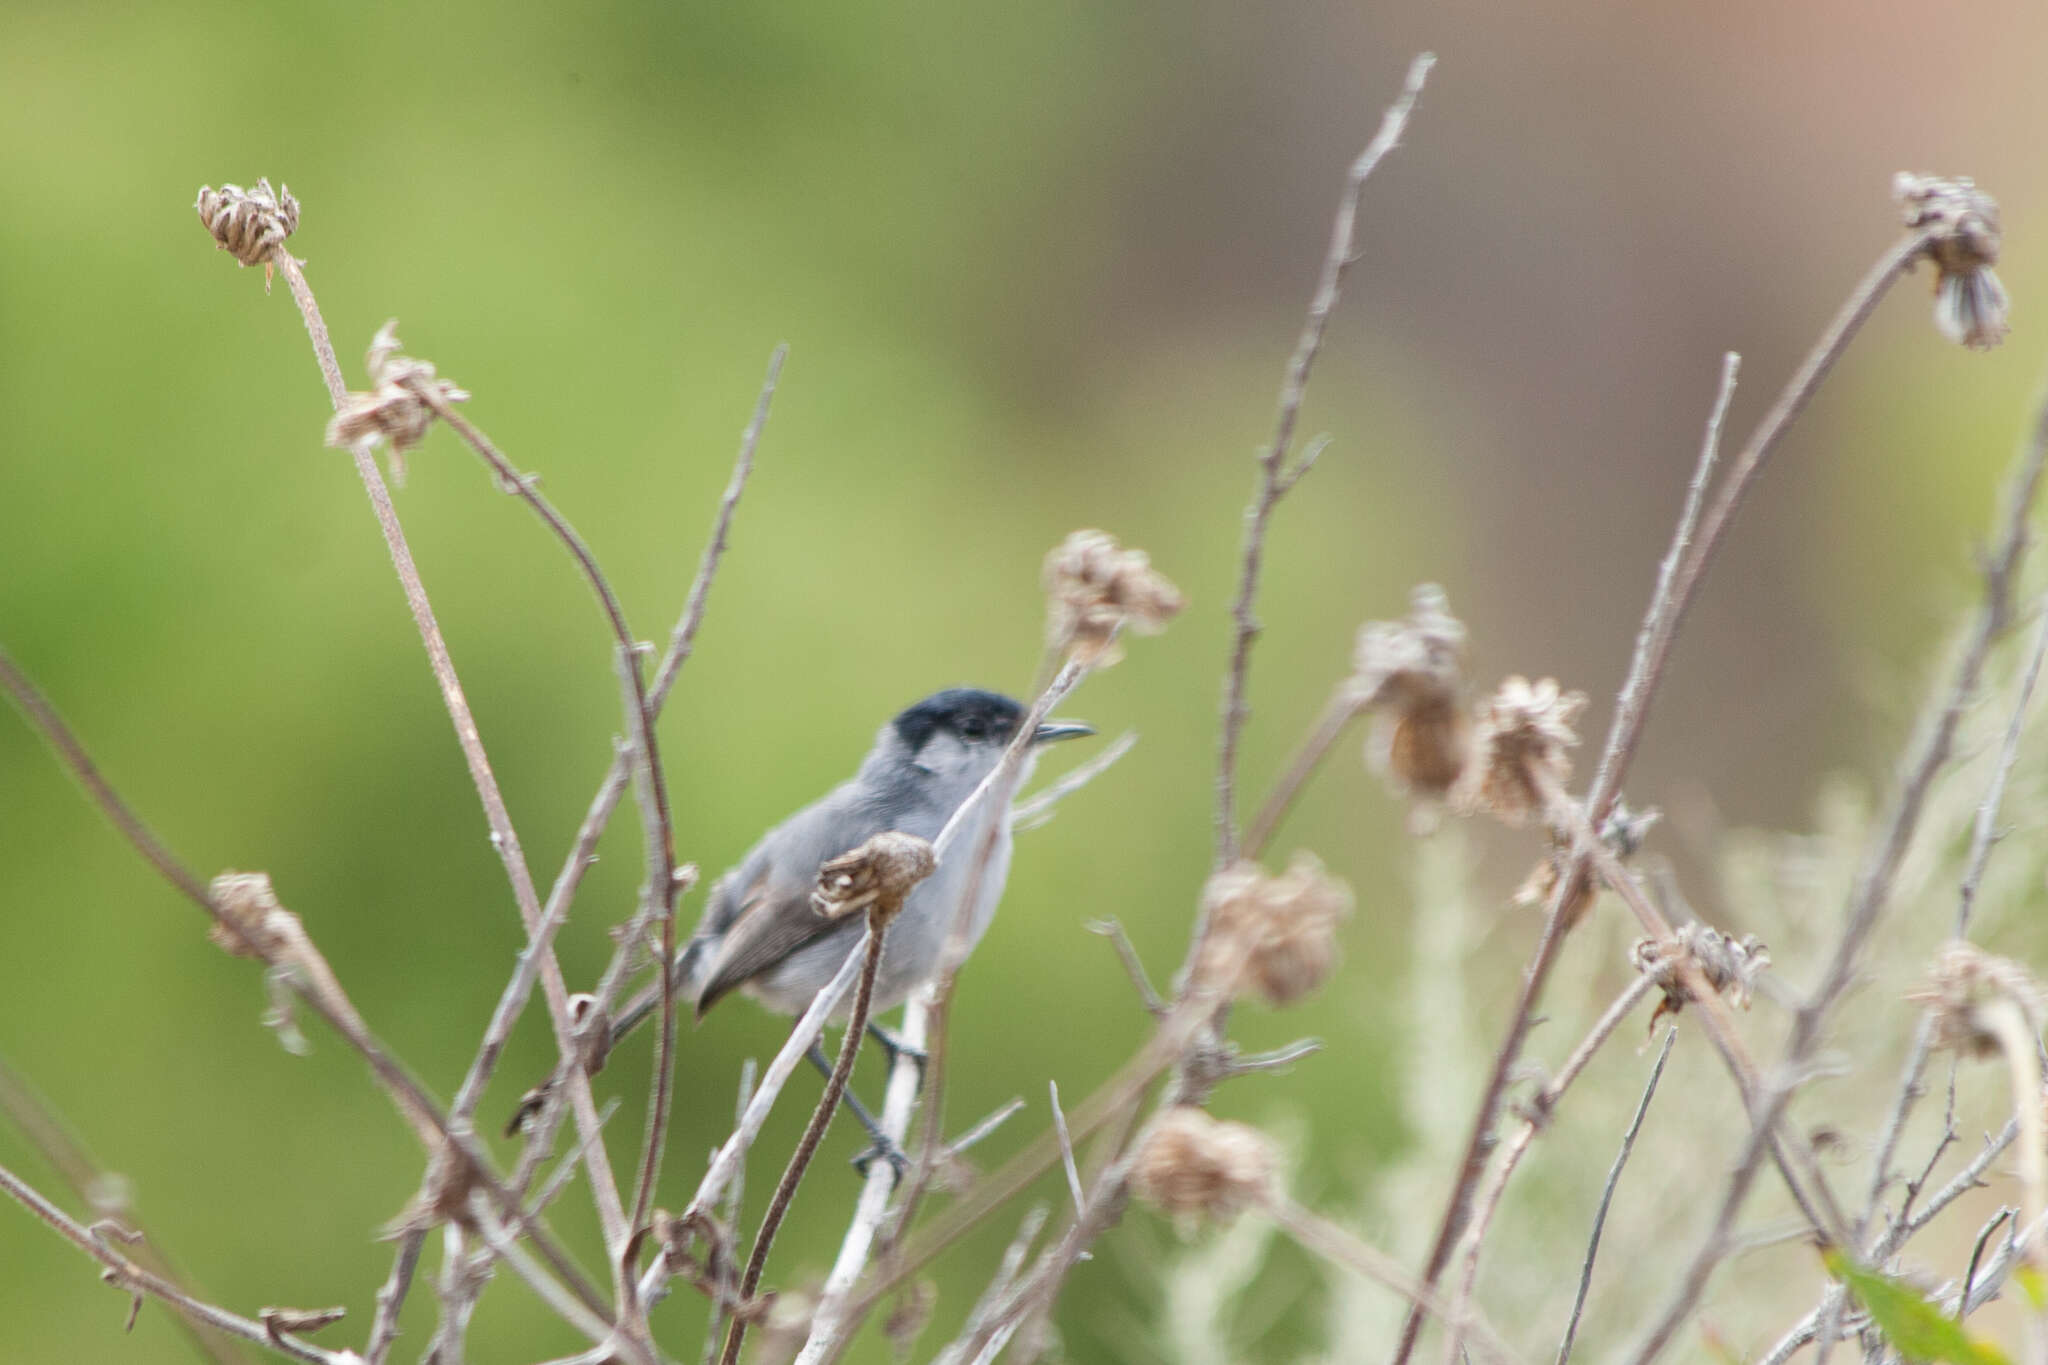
{"x": 883, "y": 1150}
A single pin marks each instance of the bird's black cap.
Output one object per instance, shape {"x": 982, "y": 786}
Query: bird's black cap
{"x": 969, "y": 712}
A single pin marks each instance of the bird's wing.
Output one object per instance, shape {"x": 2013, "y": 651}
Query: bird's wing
{"x": 775, "y": 919}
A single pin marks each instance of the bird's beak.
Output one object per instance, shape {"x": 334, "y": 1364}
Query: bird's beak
{"x": 1061, "y": 729}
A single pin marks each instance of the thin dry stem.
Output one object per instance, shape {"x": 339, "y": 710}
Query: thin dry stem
{"x": 1274, "y": 478}
{"x": 1925, "y": 758}
{"x": 124, "y": 1273}
{"x": 1628, "y": 1142}
{"x": 1692, "y": 550}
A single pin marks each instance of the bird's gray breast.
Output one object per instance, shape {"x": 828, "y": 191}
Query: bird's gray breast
{"x": 916, "y": 940}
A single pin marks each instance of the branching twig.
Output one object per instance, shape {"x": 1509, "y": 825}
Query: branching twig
{"x": 1274, "y": 476}
{"x": 124, "y": 1273}
{"x": 1693, "y": 546}
{"x": 1037, "y": 809}
{"x": 1925, "y": 758}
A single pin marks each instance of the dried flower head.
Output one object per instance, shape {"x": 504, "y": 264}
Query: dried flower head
{"x": 1095, "y": 588}
{"x": 252, "y": 922}
{"x": 1193, "y": 1166}
{"x": 1970, "y": 305}
{"x": 1519, "y": 748}
{"x": 874, "y": 877}
{"x": 1275, "y": 935}
{"x": 249, "y": 224}
{"x": 1965, "y": 981}
{"x": 399, "y": 406}
{"x": 1730, "y": 967}
{"x": 1410, "y": 674}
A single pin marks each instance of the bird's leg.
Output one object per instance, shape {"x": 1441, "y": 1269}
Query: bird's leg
{"x": 897, "y": 1049}
{"x": 883, "y": 1146}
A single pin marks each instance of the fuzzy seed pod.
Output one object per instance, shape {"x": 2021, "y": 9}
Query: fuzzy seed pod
{"x": 1193, "y": 1166}
{"x": 874, "y": 877}
{"x": 1276, "y": 936}
{"x": 396, "y": 408}
{"x": 1094, "y": 587}
{"x": 253, "y": 923}
{"x": 1970, "y": 305}
{"x": 1964, "y": 980}
{"x": 1730, "y": 967}
{"x": 1410, "y": 675}
{"x": 1523, "y": 731}
{"x": 249, "y": 224}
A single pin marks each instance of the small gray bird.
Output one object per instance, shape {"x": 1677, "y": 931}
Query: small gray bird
{"x": 761, "y": 935}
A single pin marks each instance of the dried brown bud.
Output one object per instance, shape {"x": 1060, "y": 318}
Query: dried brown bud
{"x": 912, "y": 1313}
{"x": 1410, "y": 674}
{"x": 1094, "y": 587}
{"x": 1519, "y": 748}
{"x": 592, "y": 1030}
{"x": 1730, "y": 967}
{"x": 1970, "y": 305}
{"x": 249, "y": 224}
{"x": 397, "y": 407}
{"x": 252, "y": 923}
{"x": 1541, "y": 884}
{"x": 298, "y": 1320}
{"x": 1193, "y": 1166}
{"x": 1965, "y": 980}
{"x": 874, "y": 877}
{"x": 1275, "y": 935}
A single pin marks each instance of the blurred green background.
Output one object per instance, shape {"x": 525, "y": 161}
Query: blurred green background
{"x": 1039, "y": 267}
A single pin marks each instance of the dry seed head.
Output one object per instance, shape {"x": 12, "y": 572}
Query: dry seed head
{"x": 1399, "y": 663}
{"x": 874, "y": 877}
{"x": 1274, "y": 935}
{"x": 1970, "y": 305}
{"x": 1523, "y": 731}
{"x": 249, "y": 224}
{"x": 397, "y": 407}
{"x": 1411, "y": 675}
{"x": 1193, "y": 1166}
{"x": 252, "y": 922}
{"x": 1094, "y": 587}
{"x": 1730, "y": 967}
{"x": 1964, "y": 980}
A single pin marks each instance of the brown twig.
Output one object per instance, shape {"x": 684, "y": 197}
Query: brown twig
{"x": 295, "y": 962}
{"x": 660, "y": 825}
{"x": 1343, "y": 707}
{"x": 1628, "y": 1142}
{"x": 814, "y": 1131}
{"x": 1274, "y": 477}
{"x": 1537, "y": 1117}
{"x": 1925, "y": 758}
{"x": 504, "y": 837}
{"x": 100, "y": 1190}
{"x": 124, "y": 1273}
{"x": 1692, "y": 550}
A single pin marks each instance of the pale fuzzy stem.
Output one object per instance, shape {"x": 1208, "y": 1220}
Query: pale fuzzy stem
{"x": 829, "y": 1324}
{"x": 1316, "y": 1234}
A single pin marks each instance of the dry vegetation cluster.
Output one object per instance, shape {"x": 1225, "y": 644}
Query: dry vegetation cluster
{"x": 1455, "y": 751}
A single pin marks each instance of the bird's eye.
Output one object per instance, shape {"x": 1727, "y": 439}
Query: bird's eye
{"x": 974, "y": 729}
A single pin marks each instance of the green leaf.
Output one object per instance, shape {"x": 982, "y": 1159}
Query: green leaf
{"x": 1916, "y": 1327}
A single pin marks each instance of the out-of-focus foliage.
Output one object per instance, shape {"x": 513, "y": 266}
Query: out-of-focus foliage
{"x": 1039, "y": 267}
